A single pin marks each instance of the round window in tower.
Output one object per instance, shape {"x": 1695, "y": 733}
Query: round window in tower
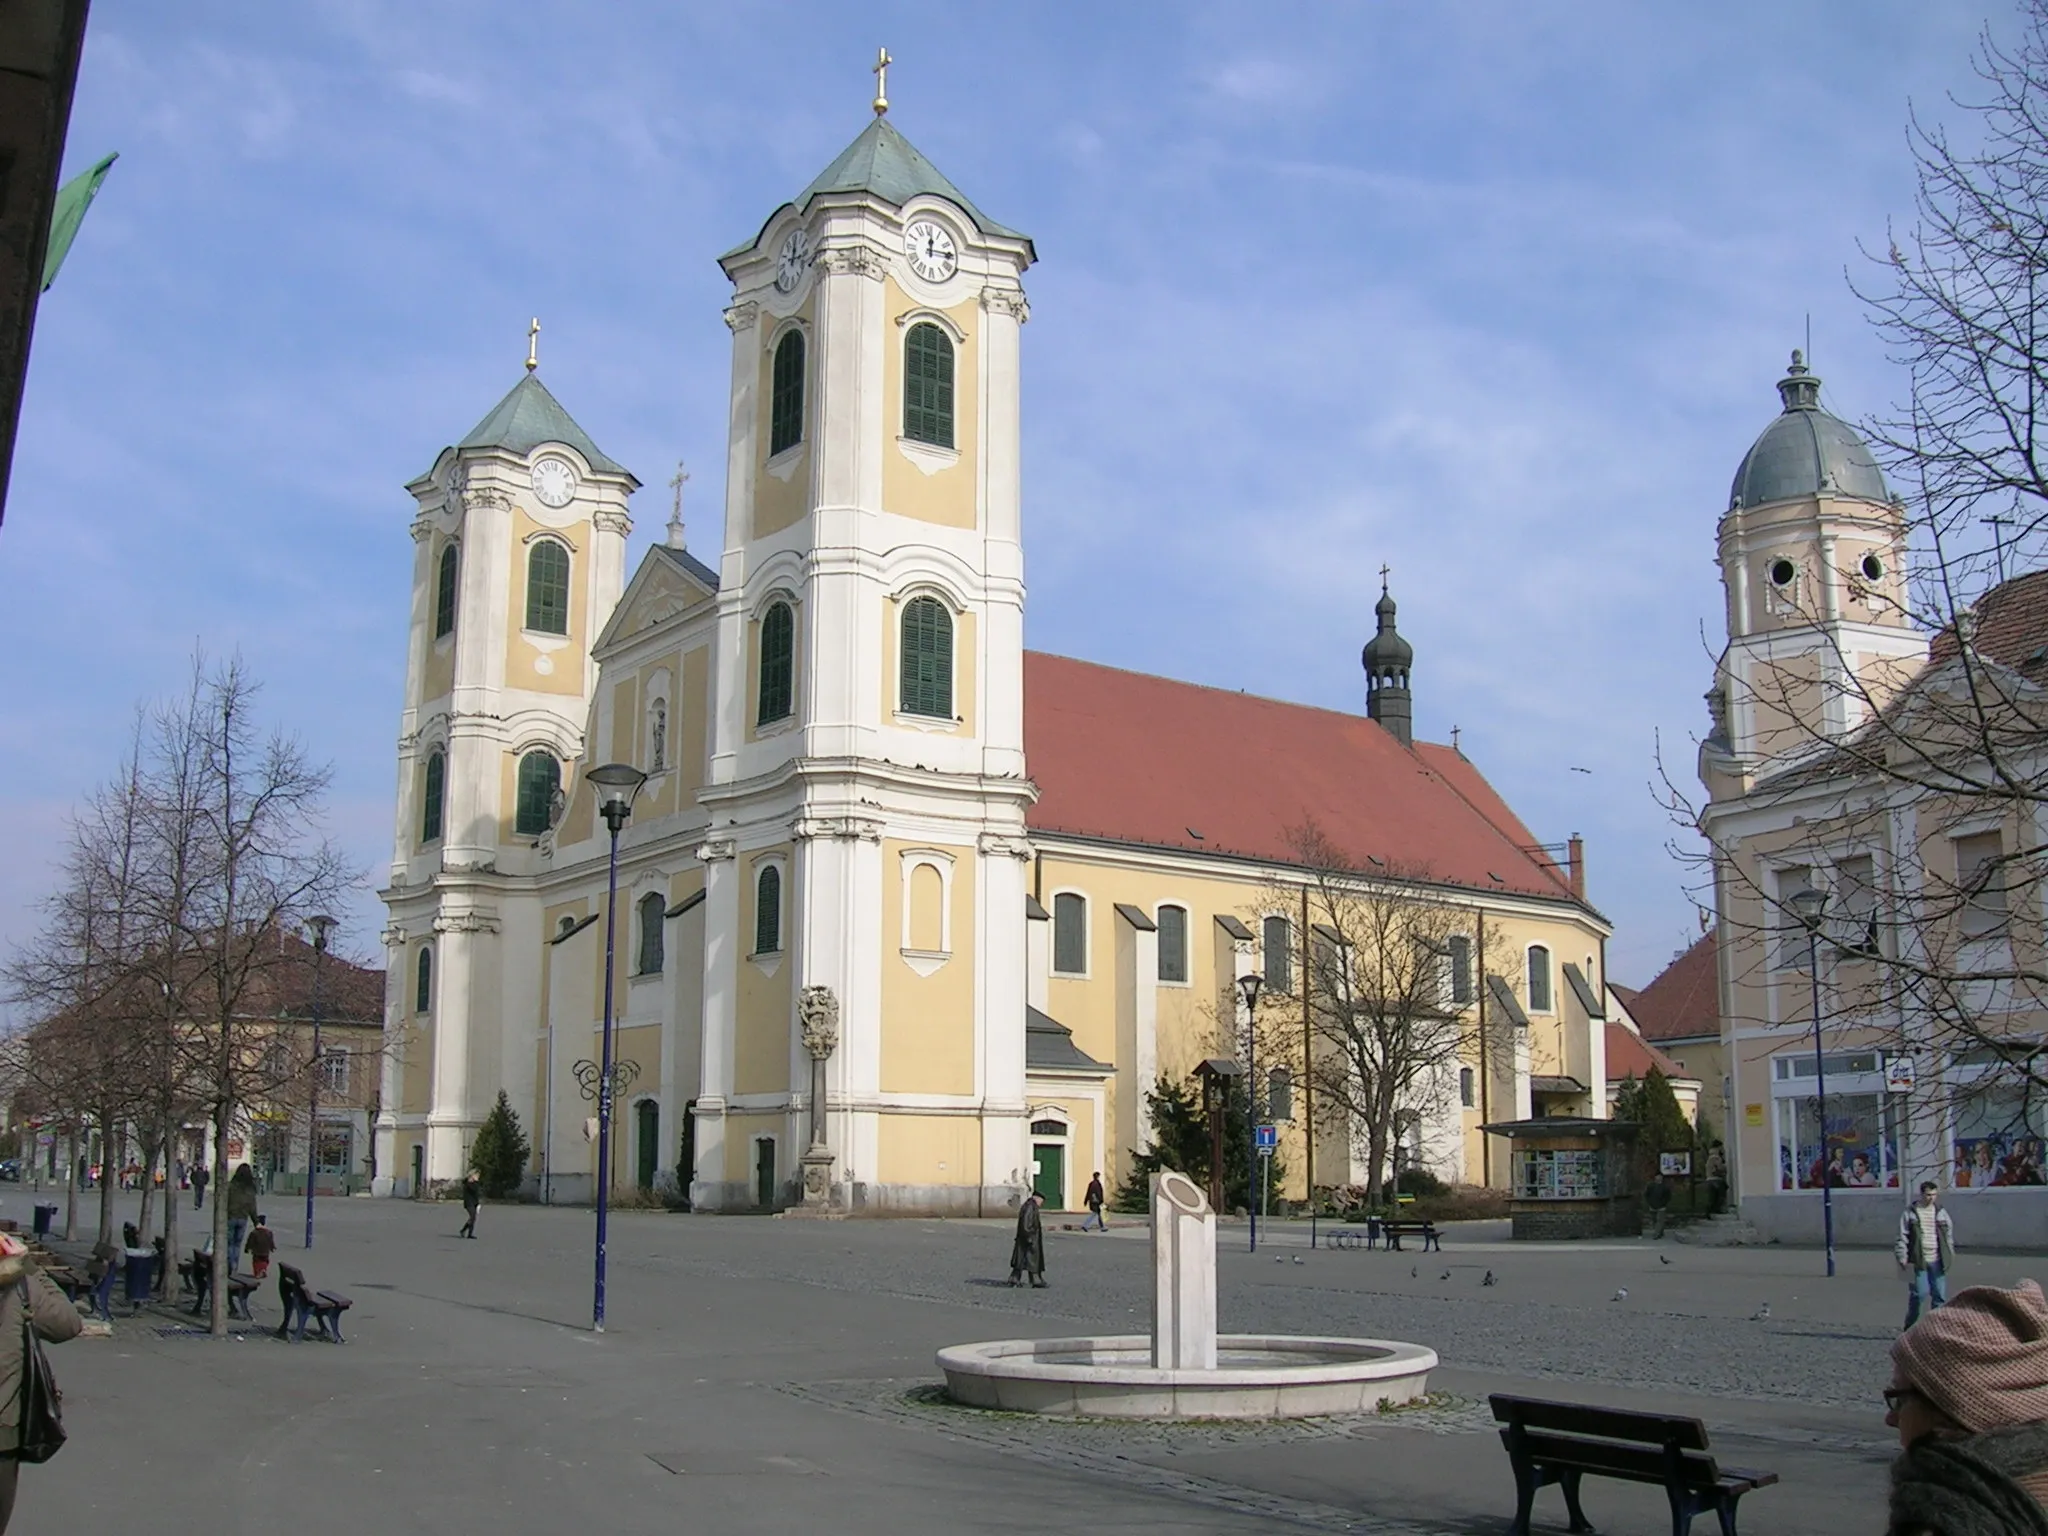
{"x": 1873, "y": 567}
{"x": 1782, "y": 572}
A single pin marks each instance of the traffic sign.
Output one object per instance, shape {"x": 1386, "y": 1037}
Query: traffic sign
{"x": 1265, "y": 1137}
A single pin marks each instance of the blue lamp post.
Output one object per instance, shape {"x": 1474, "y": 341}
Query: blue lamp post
{"x": 1249, "y": 984}
{"x": 616, "y": 785}
{"x": 1809, "y": 906}
{"x": 323, "y": 926}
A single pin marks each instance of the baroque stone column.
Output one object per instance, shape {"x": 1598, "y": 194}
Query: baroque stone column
{"x": 818, "y": 1022}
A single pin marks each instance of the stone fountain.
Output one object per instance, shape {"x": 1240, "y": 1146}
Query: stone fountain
{"x": 1184, "y": 1370}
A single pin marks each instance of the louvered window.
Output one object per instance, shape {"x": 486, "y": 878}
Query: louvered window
{"x": 1173, "y": 943}
{"x": 444, "y": 593}
{"x": 433, "y": 793}
{"x": 1070, "y": 934}
{"x": 786, "y": 395}
{"x": 928, "y": 385}
{"x": 927, "y": 669}
{"x": 768, "y": 911}
{"x": 539, "y": 777}
{"x": 547, "y": 588}
{"x": 778, "y": 664}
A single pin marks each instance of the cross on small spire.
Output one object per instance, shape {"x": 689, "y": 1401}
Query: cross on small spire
{"x": 1385, "y": 572}
{"x": 881, "y": 74}
{"x": 533, "y": 344}
{"x": 675, "y": 521}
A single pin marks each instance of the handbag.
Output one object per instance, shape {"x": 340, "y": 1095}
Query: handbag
{"x": 42, "y": 1405}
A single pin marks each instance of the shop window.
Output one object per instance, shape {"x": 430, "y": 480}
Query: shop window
{"x": 1860, "y": 1149}
{"x": 2000, "y": 1127}
{"x": 1558, "y": 1174}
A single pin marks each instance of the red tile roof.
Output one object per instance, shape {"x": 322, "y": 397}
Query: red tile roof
{"x": 2009, "y": 623}
{"x": 1683, "y": 1002}
{"x": 1131, "y": 758}
{"x": 1630, "y": 1055}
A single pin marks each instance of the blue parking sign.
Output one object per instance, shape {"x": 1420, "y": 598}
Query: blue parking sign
{"x": 1265, "y": 1137}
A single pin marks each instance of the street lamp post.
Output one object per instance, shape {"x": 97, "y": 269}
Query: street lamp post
{"x": 323, "y": 926}
{"x": 1248, "y": 985}
{"x": 1809, "y": 905}
{"x": 616, "y": 785}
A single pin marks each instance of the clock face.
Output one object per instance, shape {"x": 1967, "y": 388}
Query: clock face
{"x": 789, "y": 266}
{"x": 931, "y": 252}
{"x": 554, "y": 482}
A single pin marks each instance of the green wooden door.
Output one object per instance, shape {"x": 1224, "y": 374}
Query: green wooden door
{"x": 1051, "y": 1178}
{"x": 764, "y": 1172}
{"x": 647, "y": 1127}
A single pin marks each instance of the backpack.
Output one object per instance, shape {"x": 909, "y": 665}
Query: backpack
{"x": 42, "y": 1405}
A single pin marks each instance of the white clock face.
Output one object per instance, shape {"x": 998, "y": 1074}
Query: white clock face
{"x": 789, "y": 266}
{"x": 554, "y": 482}
{"x": 931, "y": 252}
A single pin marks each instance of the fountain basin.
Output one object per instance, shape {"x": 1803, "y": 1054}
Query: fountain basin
{"x": 1257, "y": 1376}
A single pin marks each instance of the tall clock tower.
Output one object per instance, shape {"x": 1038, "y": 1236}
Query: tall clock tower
{"x": 519, "y": 558}
{"x": 867, "y": 786}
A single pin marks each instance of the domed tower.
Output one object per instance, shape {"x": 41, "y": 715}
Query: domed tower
{"x": 1812, "y": 549}
{"x": 1387, "y": 659}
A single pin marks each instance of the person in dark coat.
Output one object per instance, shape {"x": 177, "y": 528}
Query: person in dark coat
{"x": 241, "y": 1198}
{"x": 1095, "y": 1199}
{"x": 1027, "y": 1253}
{"x": 199, "y": 1178}
{"x": 472, "y": 1200}
{"x": 25, "y": 1294}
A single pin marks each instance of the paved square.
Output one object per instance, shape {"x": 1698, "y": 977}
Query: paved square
{"x": 769, "y": 1376}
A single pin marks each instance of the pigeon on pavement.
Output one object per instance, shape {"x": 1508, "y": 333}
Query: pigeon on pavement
{"x": 1762, "y": 1314}
{"x": 1445, "y": 1275}
{"x": 1299, "y": 1259}
{"x": 1489, "y": 1280}
{"x": 1663, "y": 1258}
{"x": 1620, "y": 1295}
{"x": 1414, "y": 1272}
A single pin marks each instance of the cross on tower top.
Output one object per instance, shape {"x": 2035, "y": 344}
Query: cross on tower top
{"x": 1385, "y": 572}
{"x": 881, "y": 74}
{"x": 675, "y": 521}
{"x": 533, "y": 344}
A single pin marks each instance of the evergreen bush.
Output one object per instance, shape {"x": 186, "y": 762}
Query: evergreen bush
{"x": 500, "y": 1151}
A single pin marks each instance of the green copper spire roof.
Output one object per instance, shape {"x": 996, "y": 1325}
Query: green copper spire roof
{"x": 887, "y": 164}
{"x": 529, "y": 416}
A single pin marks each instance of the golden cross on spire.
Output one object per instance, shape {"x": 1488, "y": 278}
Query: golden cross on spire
{"x": 881, "y": 74}
{"x": 533, "y": 344}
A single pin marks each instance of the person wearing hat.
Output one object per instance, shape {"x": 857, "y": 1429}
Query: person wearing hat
{"x": 54, "y": 1319}
{"x": 1969, "y": 1398}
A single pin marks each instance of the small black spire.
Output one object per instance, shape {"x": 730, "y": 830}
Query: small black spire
{"x": 1799, "y": 389}
{"x": 1387, "y": 659}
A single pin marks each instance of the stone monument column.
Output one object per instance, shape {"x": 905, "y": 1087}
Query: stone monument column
{"x": 818, "y": 1021}
{"x": 1183, "y": 1275}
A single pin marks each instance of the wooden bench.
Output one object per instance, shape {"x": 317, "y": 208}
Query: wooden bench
{"x": 1397, "y": 1229}
{"x": 302, "y": 1302}
{"x": 1550, "y": 1442}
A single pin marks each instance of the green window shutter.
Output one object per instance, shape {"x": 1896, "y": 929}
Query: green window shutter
{"x": 928, "y": 385}
{"x": 1173, "y": 943}
{"x": 786, "y": 395}
{"x": 423, "y": 983}
{"x": 768, "y": 911}
{"x": 432, "y": 797}
{"x": 547, "y": 588}
{"x": 778, "y": 664}
{"x": 444, "y": 594}
{"x": 539, "y": 777}
{"x": 926, "y": 667}
{"x": 1070, "y": 934}
{"x": 652, "y": 915}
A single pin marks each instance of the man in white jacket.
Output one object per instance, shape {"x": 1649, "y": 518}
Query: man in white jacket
{"x": 1925, "y": 1249}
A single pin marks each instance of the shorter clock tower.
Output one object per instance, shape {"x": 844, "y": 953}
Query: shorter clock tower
{"x": 519, "y": 559}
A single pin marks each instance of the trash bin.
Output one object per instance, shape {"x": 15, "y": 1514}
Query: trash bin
{"x": 46, "y": 1217}
{"x": 141, "y": 1275}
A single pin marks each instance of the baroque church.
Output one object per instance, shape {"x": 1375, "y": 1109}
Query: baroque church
{"x": 1028, "y": 883}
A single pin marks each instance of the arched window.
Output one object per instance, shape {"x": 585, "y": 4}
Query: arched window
{"x": 1278, "y": 936}
{"x": 1173, "y": 943}
{"x": 927, "y": 663}
{"x": 786, "y": 395}
{"x": 432, "y": 795}
{"x": 423, "y": 983}
{"x": 651, "y": 919}
{"x": 444, "y": 594}
{"x": 539, "y": 777}
{"x": 1070, "y": 934}
{"x": 928, "y": 385}
{"x": 768, "y": 910}
{"x": 1539, "y": 979}
{"x": 1461, "y": 969}
{"x": 547, "y": 588}
{"x": 1465, "y": 1085}
{"x": 657, "y": 736}
{"x": 778, "y": 664}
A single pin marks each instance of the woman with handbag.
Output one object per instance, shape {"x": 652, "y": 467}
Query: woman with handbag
{"x": 31, "y": 1310}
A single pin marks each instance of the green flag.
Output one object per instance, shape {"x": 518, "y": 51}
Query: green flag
{"x": 73, "y": 198}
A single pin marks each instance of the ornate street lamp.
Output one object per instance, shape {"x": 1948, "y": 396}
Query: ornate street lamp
{"x": 616, "y": 785}
{"x": 322, "y": 927}
{"x": 1248, "y": 986}
{"x": 1809, "y": 906}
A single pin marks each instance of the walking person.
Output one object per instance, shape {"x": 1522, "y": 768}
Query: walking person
{"x": 262, "y": 1244}
{"x": 199, "y": 1178}
{"x": 1925, "y": 1249}
{"x": 472, "y": 1200}
{"x": 1657, "y": 1200}
{"x": 26, "y": 1296}
{"x": 1027, "y": 1252}
{"x": 1969, "y": 1398}
{"x": 1094, "y": 1201}
{"x": 241, "y": 1208}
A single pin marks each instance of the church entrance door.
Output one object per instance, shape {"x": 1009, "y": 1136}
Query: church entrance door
{"x": 647, "y": 1128}
{"x": 1050, "y": 1157}
{"x": 764, "y": 1173}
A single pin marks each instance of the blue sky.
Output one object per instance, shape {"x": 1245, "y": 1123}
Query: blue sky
{"x": 1491, "y": 292}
